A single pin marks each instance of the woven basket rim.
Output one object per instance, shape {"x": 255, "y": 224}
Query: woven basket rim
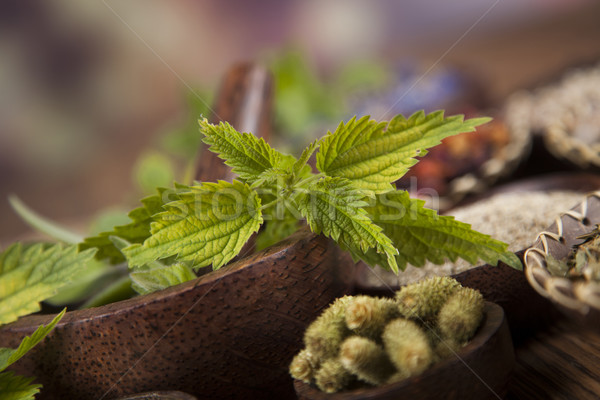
{"x": 582, "y": 297}
{"x": 564, "y": 145}
{"x": 557, "y": 135}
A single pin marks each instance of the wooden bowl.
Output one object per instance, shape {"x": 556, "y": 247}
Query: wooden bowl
{"x": 481, "y": 370}
{"x": 228, "y": 334}
{"x": 525, "y": 310}
{"x": 172, "y": 395}
{"x": 578, "y": 299}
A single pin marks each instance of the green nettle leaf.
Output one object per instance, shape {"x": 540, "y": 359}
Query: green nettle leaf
{"x": 177, "y": 231}
{"x": 11, "y": 356}
{"x": 421, "y": 234}
{"x": 334, "y": 207}
{"x": 301, "y": 163}
{"x": 16, "y": 387}
{"x": 247, "y": 155}
{"x": 10, "y": 257}
{"x": 148, "y": 281}
{"x": 270, "y": 177}
{"x": 85, "y": 283}
{"x": 374, "y": 154}
{"x": 136, "y": 231}
{"x": 122, "y": 244}
{"x": 32, "y": 274}
{"x": 208, "y": 225}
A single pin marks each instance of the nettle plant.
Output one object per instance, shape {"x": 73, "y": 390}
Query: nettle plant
{"x": 351, "y": 199}
{"x": 177, "y": 231}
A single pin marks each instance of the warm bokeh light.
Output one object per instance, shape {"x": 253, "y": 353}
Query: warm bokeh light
{"x": 87, "y": 87}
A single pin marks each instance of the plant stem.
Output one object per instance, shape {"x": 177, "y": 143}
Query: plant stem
{"x": 269, "y": 204}
{"x": 303, "y": 183}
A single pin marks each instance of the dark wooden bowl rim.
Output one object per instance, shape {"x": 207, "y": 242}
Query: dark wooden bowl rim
{"x": 31, "y": 322}
{"x": 494, "y": 321}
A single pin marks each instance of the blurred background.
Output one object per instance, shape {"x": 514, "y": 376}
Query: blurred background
{"x": 98, "y": 100}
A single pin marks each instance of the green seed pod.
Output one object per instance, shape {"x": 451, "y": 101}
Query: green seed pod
{"x": 366, "y": 359}
{"x": 432, "y": 333}
{"x": 303, "y": 366}
{"x": 367, "y": 316}
{"x": 460, "y": 317}
{"x": 407, "y": 346}
{"x": 446, "y": 348}
{"x": 332, "y": 376}
{"x": 424, "y": 299}
{"x": 325, "y": 335}
{"x": 397, "y": 377}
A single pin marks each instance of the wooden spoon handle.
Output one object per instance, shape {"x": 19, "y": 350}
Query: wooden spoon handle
{"x": 244, "y": 100}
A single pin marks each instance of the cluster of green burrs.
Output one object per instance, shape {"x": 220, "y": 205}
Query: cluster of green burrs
{"x": 373, "y": 341}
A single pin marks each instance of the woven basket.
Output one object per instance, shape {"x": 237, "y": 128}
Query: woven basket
{"x": 565, "y": 113}
{"x": 577, "y": 298}
{"x": 561, "y": 142}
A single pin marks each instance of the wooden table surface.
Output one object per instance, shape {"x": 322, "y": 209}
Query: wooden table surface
{"x": 561, "y": 361}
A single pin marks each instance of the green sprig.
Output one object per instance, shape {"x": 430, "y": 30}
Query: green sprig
{"x": 351, "y": 199}
{"x": 16, "y": 387}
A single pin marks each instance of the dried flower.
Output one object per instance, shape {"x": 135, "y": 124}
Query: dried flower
{"x": 460, "y": 317}
{"x": 325, "y": 335}
{"x": 446, "y": 347}
{"x": 367, "y": 316}
{"x": 362, "y": 338}
{"x": 398, "y": 376}
{"x": 407, "y": 346}
{"x": 366, "y": 359}
{"x": 303, "y": 366}
{"x": 332, "y": 376}
{"x": 424, "y": 299}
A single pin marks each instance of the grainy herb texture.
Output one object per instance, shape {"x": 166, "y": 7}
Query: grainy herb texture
{"x": 515, "y": 218}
